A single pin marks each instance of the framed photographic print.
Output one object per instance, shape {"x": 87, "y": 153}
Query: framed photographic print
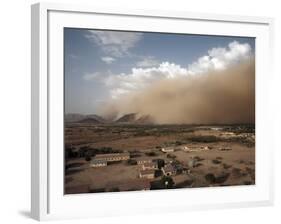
{"x": 148, "y": 111}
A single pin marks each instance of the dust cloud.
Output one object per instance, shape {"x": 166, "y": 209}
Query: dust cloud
{"x": 216, "y": 97}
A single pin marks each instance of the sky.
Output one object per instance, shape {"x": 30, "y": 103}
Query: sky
{"x": 102, "y": 65}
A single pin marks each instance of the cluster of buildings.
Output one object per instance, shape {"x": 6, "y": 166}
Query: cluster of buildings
{"x": 185, "y": 148}
{"x": 148, "y": 168}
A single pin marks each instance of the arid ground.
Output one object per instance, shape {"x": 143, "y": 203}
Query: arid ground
{"x": 229, "y": 159}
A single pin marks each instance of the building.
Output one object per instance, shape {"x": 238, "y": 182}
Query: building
{"x": 168, "y": 149}
{"x": 168, "y": 161}
{"x": 141, "y": 161}
{"x": 148, "y": 174}
{"x": 195, "y": 148}
{"x": 98, "y": 163}
{"x": 169, "y": 170}
{"x": 113, "y": 157}
{"x": 151, "y": 165}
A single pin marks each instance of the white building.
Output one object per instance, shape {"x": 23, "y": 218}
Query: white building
{"x": 113, "y": 157}
{"x": 168, "y": 149}
{"x": 141, "y": 161}
{"x": 149, "y": 174}
{"x": 151, "y": 165}
{"x": 98, "y": 163}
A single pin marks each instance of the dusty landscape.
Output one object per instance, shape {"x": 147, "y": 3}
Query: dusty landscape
{"x": 151, "y": 111}
{"x": 199, "y": 155}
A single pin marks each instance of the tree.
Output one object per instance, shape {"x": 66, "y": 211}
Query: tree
{"x": 88, "y": 158}
{"x": 167, "y": 182}
{"x": 210, "y": 178}
{"x": 160, "y": 163}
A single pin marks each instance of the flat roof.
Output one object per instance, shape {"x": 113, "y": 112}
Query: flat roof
{"x": 98, "y": 161}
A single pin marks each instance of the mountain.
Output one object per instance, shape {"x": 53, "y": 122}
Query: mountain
{"x": 73, "y": 117}
{"x": 134, "y": 119}
{"x": 145, "y": 119}
{"x": 92, "y": 118}
{"x": 127, "y": 118}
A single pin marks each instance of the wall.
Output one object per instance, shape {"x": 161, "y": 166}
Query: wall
{"x": 15, "y": 110}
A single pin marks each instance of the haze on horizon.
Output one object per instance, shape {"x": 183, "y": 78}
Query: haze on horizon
{"x": 173, "y": 78}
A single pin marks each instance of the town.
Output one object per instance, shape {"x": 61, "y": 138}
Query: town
{"x": 211, "y": 156}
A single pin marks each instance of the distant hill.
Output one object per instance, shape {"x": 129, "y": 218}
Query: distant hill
{"x": 131, "y": 118}
{"x": 145, "y": 119}
{"x": 127, "y": 118}
{"x": 134, "y": 119}
{"x": 91, "y": 118}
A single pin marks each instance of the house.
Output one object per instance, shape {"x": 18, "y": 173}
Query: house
{"x": 195, "y": 148}
{"x": 141, "y": 161}
{"x": 98, "y": 163}
{"x": 148, "y": 174}
{"x": 168, "y": 149}
{"x": 113, "y": 157}
{"x": 169, "y": 170}
{"x": 151, "y": 165}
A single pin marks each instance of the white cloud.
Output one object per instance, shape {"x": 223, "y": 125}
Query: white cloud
{"x": 220, "y": 58}
{"x": 108, "y": 60}
{"x": 148, "y": 62}
{"x": 216, "y": 59}
{"x": 142, "y": 77}
{"x": 114, "y": 43}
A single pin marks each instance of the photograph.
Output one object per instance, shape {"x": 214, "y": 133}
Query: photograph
{"x": 153, "y": 111}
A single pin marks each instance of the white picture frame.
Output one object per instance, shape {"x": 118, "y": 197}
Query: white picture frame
{"x": 48, "y": 201}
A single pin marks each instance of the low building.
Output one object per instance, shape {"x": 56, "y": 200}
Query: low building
{"x": 98, "y": 163}
{"x": 168, "y": 149}
{"x": 151, "y": 165}
{"x": 113, "y": 157}
{"x": 148, "y": 174}
{"x": 195, "y": 148}
{"x": 169, "y": 170}
{"x": 141, "y": 161}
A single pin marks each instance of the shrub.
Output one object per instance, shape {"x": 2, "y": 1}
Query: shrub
{"x": 222, "y": 178}
{"x": 210, "y": 178}
{"x": 216, "y": 161}
{"x": 171, "y": 156}
{"x": 88, "y": 158}
{"x": 150, "y": 154}
{"x": 226, "y": 166}
{"x": 132, "y": 162}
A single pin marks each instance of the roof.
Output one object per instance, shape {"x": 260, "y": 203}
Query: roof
{"x": 96, "y": 161}
{"x": 150, "y": 164}
{"x": 169, "y": 168}
{"x": 110, "y": 155}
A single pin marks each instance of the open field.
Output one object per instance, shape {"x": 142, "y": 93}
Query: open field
{"x": 219, "y": 156}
